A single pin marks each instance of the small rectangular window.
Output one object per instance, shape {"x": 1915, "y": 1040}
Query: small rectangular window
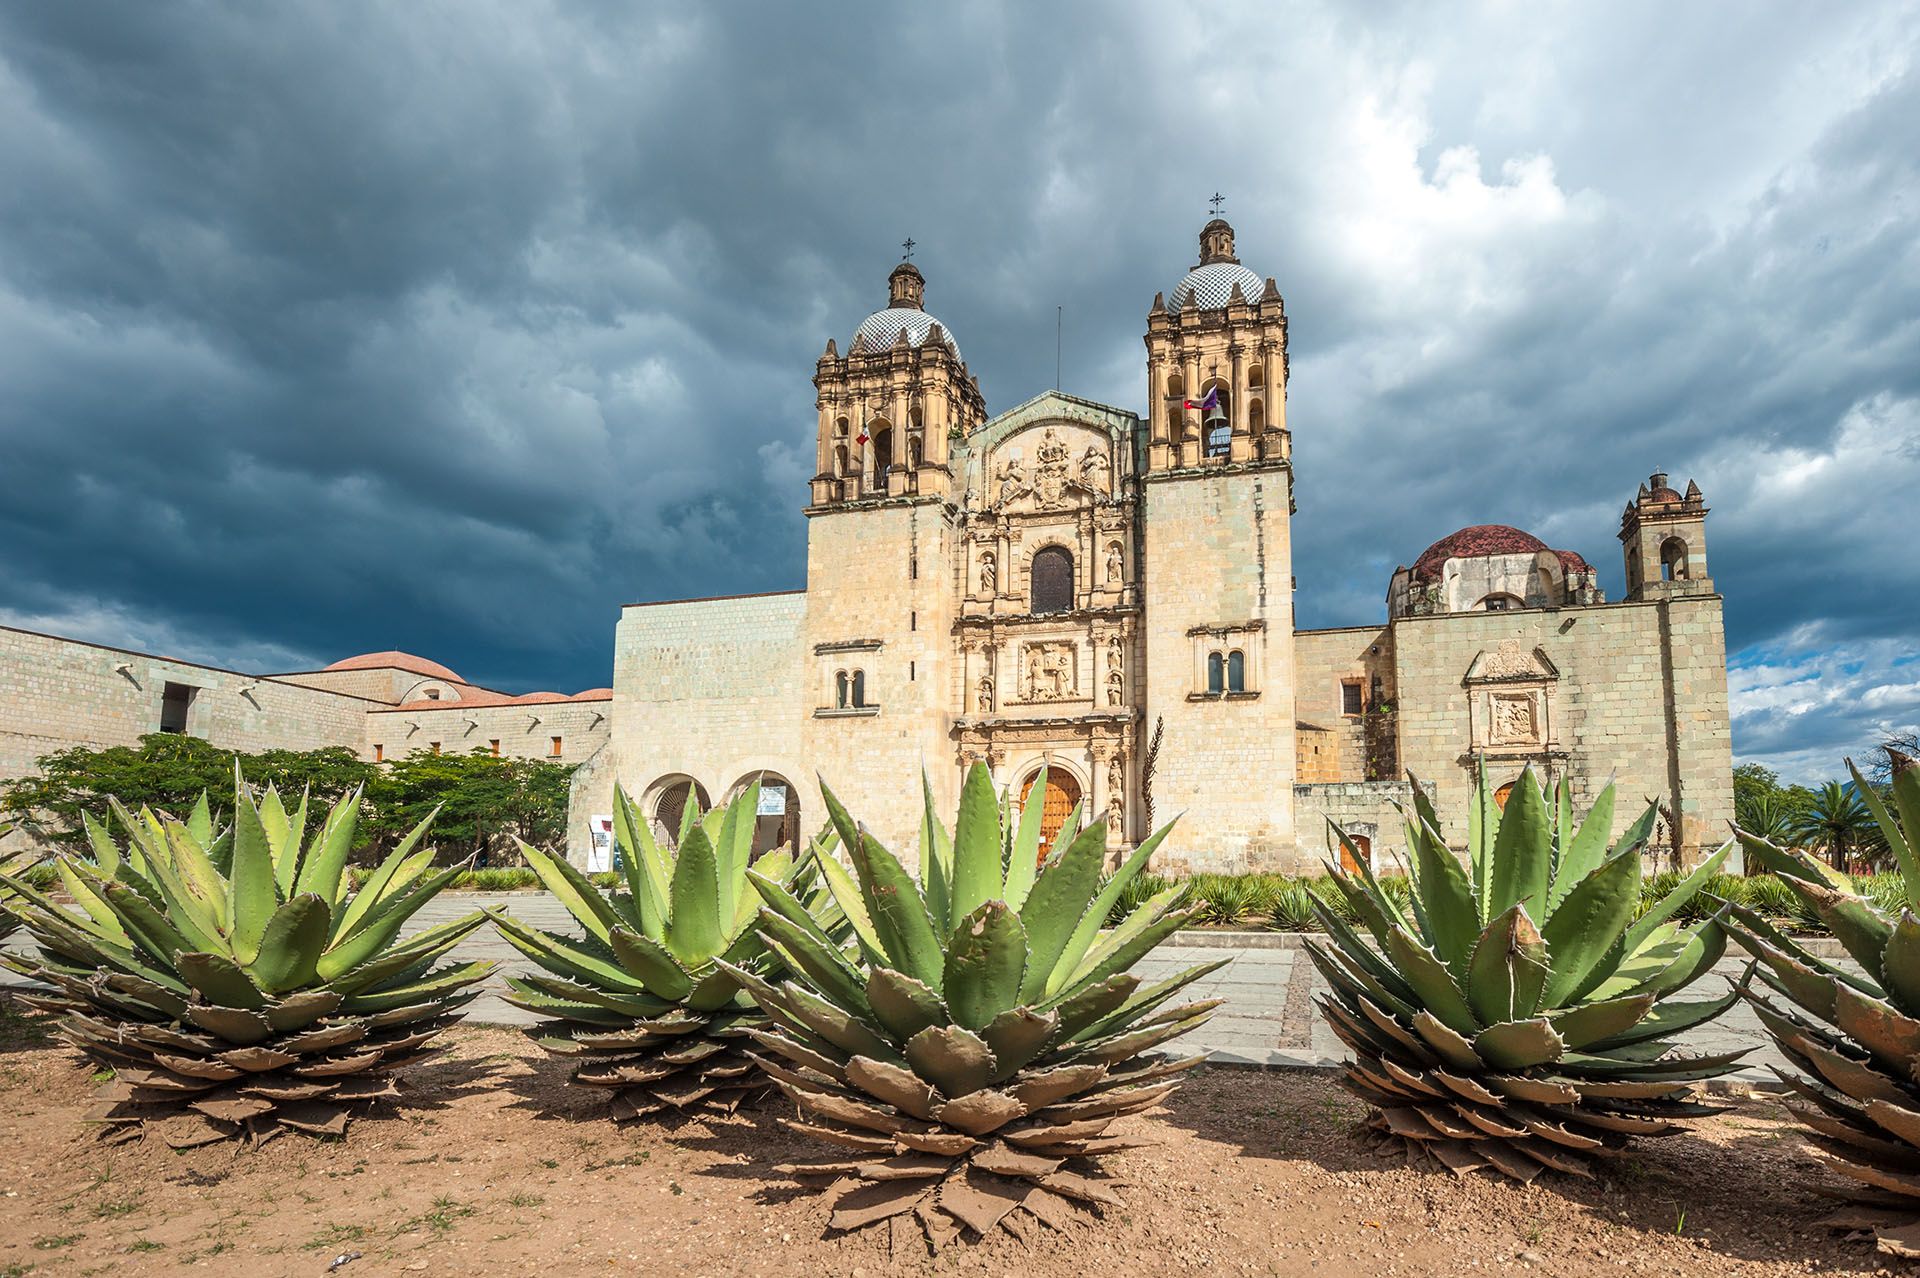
{"x": 493, "y": 746}
{"x": 910, "y": 672}
{"x": 554, "y": 749}
{"x": 1352, "y": 699}
{"x": 379, "y": 753}
{"x": 175, "y": 700}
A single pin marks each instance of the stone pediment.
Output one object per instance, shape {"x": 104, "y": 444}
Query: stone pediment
{"x": 1512, "y": 662}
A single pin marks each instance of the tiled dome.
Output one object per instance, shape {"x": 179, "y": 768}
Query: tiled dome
{"x": 1483, "y": 540}
{"x": 1212, "y": 284}
{"x": 882, "y": 327}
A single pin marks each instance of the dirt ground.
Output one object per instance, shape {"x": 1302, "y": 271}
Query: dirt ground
{"x": 494, "y": 1166}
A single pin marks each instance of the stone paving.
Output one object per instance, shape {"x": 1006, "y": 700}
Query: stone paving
{"x": 1268, "y": 1020}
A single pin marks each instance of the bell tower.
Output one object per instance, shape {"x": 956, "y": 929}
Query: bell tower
{"x": 1663, "y": 534}
{"x": 889, "y": 406}
{"x": 1217, "y": 364}
{"x": 1216, "y": 579}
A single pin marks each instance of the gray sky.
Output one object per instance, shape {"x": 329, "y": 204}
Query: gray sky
{"x": 335, "y": 327}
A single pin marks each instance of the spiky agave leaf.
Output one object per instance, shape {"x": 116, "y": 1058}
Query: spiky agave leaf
{"x": 1851, "y": 1031}
{"x": 1515, "y": 1016}
{"x": 12, "y": 863}
{"x": 231, "y": 981}
{"x": 638, "y": 999}
{"x": 970, "y": 1055}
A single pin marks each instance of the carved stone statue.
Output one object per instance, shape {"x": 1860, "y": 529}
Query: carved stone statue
{"x": 1114, "y": 689}
{"x": 986, "y": 696}
{"x": 1116, "y": 653}
{"x": 1012, "y": 479}
{"x": 1116, "y": 777}
{"x": 1116, "y": 562}
{"x": 1095, "y": 469}
{"x": 988, "y": 577}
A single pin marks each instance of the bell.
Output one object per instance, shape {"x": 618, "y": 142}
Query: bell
{"x": 1216, "y": 416}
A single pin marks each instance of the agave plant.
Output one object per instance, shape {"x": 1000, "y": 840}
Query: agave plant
{"x": 11, "y": 863}
{"x": 227, "y": 980}
{"x": 1852, "y": 1032}
{"x": 1516, "y": 1016}
{"x": 640, "y": 1000}
{"x": 971, "y": 1057}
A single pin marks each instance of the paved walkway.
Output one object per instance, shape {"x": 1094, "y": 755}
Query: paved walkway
{"x": 1269, "y": 1019}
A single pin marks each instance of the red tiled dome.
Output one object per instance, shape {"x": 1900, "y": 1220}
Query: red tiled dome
{"x": 1664, "y": 494}
{"x": 398, "y": 661}
{"x": 1483, "y": 540}
{"x": 1476, "y": 542}
{"x": 593, "y": 694}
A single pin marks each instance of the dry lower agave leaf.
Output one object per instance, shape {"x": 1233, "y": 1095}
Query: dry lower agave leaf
{"x": 231, "y": 981}
{"x": 967, "y": 1058}
{"x": 1516, "y": 1016}
{"x": 1852, "y": 1032}
{"x": 638, "y": 1000}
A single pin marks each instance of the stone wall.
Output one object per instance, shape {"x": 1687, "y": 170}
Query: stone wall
{"x": 708, "y": 689}
{"x": 58, "y": 693}
{"x": 525, "y": 731}
{"x": 1325, "y": 661}
{"x": 882, "y": 588}
{"x": 1364, "y": 809}
{"x": 1217, "y": 571}
{"x": 1638, "y": 692}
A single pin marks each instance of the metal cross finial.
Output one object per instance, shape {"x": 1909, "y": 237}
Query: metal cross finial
{"x": 907, "y": 244}
{"x": 1217, "y": 200}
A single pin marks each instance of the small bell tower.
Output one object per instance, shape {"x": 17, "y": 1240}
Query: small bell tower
{"x": 1663, "y": 534}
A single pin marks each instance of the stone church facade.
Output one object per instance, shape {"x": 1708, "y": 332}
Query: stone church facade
{"x": 1074, "y": 586}
{"x": 1067, "y": 585}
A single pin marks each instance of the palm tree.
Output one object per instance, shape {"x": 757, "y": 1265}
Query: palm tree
{"x": 1835, "y": 822}
{"x": 1768, "y": 815}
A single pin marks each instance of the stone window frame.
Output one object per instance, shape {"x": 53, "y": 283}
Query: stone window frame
{"x": 845, "y": 685}
{"x": 1221, "y": 643}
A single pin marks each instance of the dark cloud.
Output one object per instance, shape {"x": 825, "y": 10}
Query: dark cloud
{"x": 345, "y": 327}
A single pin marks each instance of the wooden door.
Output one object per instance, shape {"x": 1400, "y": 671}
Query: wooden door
{"x": 1062, "y": 793}
{"x": 1361, "y": 844}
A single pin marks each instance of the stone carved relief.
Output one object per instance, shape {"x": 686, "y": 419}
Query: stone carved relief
{"x": 1052, "y": 671}
{"x": 1511, "y": 659}
{"x": 1116, "y": 803}
{"x": 1513, "y": 718}
{"x": 1062, "y": 473}
{"x": 1050, "y": 472}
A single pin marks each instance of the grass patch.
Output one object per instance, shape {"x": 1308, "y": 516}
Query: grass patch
{"x": 333, "y": 1236}
{"x": 54, "y": 1242}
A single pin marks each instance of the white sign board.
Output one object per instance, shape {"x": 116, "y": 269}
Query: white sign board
{"x": 600, "y": 848}
{"x": 773, "y": 801}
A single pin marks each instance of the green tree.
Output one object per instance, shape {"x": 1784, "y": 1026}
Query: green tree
{"x": 1836, "y": 823}
{"x": 485, "y": 802}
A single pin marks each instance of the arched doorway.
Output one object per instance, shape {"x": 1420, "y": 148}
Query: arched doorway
{"x": 670, "y": 805}
{"x": 776, "y": 821}
{"x": 1063, "y": 792}
{"x": 1501, "y": 796}
{"x": 1361, "y": 844}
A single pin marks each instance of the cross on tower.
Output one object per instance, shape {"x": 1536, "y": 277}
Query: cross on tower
{"x": 907, "y": 244}
{"x": 1217, "y": 200}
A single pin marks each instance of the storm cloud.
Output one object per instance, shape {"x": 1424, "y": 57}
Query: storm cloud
{"x": 330, "y": 328}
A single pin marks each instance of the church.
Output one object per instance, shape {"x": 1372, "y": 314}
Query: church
{"x": 1074, "y": 587}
